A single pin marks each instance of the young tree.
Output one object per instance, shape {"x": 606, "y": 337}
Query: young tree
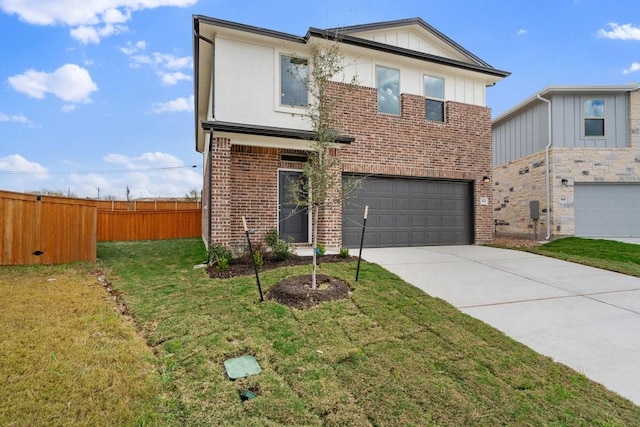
{"x": 322, "y": 185}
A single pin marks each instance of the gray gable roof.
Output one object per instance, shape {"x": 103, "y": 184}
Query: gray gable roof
{"x": 344, "y": 35}
{"x": 409, "y": 22}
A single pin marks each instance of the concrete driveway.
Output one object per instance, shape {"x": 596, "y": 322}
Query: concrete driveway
{"x": 583, "y": 317}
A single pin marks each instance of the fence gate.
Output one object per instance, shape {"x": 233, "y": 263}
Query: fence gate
{"x": 46, "y": 229}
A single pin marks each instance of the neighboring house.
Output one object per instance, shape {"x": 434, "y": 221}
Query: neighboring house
{"x": 591, "y": 135}
{"x": 416, "y": 127}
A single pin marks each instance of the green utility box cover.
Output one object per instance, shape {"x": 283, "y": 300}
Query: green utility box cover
{"x": 242, "y": 366}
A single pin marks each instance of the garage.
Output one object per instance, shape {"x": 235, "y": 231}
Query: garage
{"x": 607, "y": 210}
{"x": 409, "y": 212}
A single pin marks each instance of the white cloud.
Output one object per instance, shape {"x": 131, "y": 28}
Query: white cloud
{"x": 177, "y": 105}
{"x": 71, "y": 83}
{"x": 17, "y": 164}
{"x": 88, "y": 34}
{"x": 16, "y": 118}
{"x": 133, "y": 48}
{"x": 156, "y": 159}
{"x": 90, "y": 20}
{"x": 521, "y": 32}
{"x": 170, "y": 79}
{"x": 153, "y": 174}
{"x": 632, "y": 69}
{"x": 69, "y": 108}
{"x": 172, "y": 62}
{"x": 166, "y": 64}
{"x": 620, "y": 32}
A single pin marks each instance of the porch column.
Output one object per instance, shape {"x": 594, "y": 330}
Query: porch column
{"x": 220, "y": 158}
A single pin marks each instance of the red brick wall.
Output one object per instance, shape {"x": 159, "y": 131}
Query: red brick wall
{"x": 410, "y": 145}
{"x": 254, "y": 191}
{"x": 220, "y": 164}
{"x": 405, "y": 145}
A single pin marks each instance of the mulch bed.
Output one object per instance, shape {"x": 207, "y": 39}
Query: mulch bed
{"x": 243, "y": 266}
{"x": 294, "y": 291}
{"x": 515, "y": 242}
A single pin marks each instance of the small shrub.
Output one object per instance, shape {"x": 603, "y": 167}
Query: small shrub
{"x": 223, "y": 264}
{"x": 344, "y": 253}
{"x": 320, "y": 249}
{"x": 238, "y": 248}
{"x": 271, "y": 237}
{"x": 281, "y": 250}
{"x": 258, "y": 259}
{"x": 219, "y": 254}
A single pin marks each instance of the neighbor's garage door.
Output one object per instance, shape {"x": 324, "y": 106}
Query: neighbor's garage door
{"x": 409, "y": 212}
{"x": 607, "y": 210}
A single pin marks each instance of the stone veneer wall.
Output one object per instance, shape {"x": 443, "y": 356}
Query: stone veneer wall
{"x": 520, "y": 181}
{"x": 515, "y": 185}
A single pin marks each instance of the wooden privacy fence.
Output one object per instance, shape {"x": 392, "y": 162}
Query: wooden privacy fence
{"x": 147, "y": 205}
{"x": 148, "y": 225}
{"x": 56, "y": 230}
{"x": 46, "y": 229}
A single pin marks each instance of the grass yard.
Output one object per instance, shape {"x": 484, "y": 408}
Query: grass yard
{"x": 66, "y": 357}
{"x": 605, "y": 254}
{"x": 389, "y": 355}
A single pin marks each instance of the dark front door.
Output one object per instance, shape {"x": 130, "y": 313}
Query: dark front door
{"x": 293, "y": 220}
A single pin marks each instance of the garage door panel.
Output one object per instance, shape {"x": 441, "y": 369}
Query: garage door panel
{"x": 607, "y": 210}
{"x": 410, "y": 212}
{"x": 402, "y": 221}
{"x": 401, "y": 203}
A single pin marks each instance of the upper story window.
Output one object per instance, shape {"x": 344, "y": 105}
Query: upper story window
{"x": 434, "y": 98}
{"x": 594, "y": 117}
{"x": 388, "y": 84}
{"x": 293, "y": 81}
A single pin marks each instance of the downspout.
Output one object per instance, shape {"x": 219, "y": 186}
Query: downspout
{"x": 546, "y": 162}
{"x": 210, "y": 197}
{"x": 197, "y": 38}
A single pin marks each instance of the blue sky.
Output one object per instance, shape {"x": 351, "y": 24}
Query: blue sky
{"x": 95, "y": 96}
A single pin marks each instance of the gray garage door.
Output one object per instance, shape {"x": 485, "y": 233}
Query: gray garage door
{"x": 409, "y": 212}
{"x": 607, "y": 210}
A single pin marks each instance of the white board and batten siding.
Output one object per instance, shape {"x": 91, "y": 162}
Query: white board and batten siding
{"x": 526, "y": 132}
{"x": 250, "y": 72}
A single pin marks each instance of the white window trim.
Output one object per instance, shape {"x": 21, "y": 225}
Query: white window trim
{"x": 278, "y": 79}
{"x": 375, "y": 80}
{"x": 584, "y": 117}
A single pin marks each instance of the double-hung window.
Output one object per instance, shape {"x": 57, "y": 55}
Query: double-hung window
{"x": 293, "y": 81}
{"x": 434, "y": 98}
{"x": 593, "y": 113}
{"x": 388, "y": 84}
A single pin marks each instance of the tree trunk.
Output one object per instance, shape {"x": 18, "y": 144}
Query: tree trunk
{"x": 314, "y": 239}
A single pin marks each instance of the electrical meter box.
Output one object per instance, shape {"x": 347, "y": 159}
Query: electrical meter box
{"x": 534, "y": 208}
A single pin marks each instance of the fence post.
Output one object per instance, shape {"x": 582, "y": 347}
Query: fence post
{"x": 255, "y": 267}
{"x": 364, "y": 226}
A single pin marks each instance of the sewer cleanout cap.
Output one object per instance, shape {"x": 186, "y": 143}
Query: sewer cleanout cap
{"x": 240, "y": 367}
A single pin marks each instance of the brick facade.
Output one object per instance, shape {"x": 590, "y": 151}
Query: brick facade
{"x": 522, "y": 180}
{"x": 244, "y": 179}
{"x": 408, "y": 145}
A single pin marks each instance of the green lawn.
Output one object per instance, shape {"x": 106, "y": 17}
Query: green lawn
{"x": 389, "y": 355}
{"x": 66, "y": 357}
{"x": 605, "y": 254}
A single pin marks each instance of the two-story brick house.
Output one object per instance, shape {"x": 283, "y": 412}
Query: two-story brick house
{"x": 575, "y": 152}
{"x": 415, "y": 126}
